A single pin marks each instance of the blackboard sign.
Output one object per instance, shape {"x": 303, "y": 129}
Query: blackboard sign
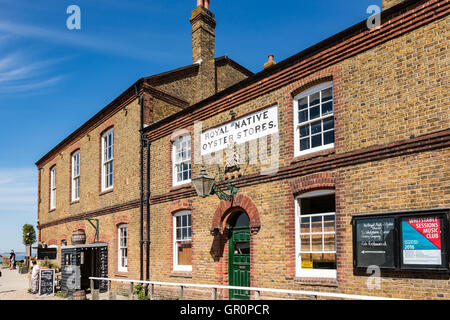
{"x": 49, "y": 253}
{"x": 46, "y": 281}
{"x": 375, "y": 242}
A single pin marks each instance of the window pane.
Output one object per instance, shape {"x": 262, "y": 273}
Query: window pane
{"x": 304, "y": 131}
{"x": 327, "y": 108}
{"x": 304, "y": 225}
{"x": 184, "y": 233}
{"x": 314, "y": 113}
{"x": 328, "y": 223}
{"x": 304, "y": 144}
{"x": 328, "y": 124}
{"x": 320, "y": 204}
{"x": 178, "y": 221}
{"x": 328, "y": 137}
{"x": 326, "y": 94}
{"x": 184, "y": 220}
{"x": 314, "y": 99}
{"x": 316, "y": 141}
{"x": 316, "y": 224}
{"x": 303, "y": 116}
{"x": 305, "y": 243}
{"x": 189, "y": 234}
{"x": 329, "y": 242}
{"x": 185, "y": 254}
{"x": 303, "y": 103}
{"x": 316, "y": 127}
{"x": 316, "y": 242}
{"x": 178, "y": 234}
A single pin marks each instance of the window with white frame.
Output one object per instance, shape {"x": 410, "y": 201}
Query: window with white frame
{"x": 108, "y": 160}
{"x": 314, "y": 119}
{"x": 315, "y": 225}
{"x": 76, "y": 176}
{"x": 53, "y": 188}
{"x": 182, "y": 241}
{"x": 181, "y": 160}
{"x": 123, "y": 248}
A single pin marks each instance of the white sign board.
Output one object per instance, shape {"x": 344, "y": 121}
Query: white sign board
{"x": 253, "y": 126}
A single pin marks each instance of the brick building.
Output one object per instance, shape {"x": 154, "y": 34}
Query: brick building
{"x": 337, "y": 145}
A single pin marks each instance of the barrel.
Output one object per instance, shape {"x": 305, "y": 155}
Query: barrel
{"x": 78, "y": 237}
{"x": 79, "y": 295}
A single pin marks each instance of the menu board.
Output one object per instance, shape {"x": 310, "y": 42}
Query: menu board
{"x": 375, "y": 239}
{"x": 421, "y": 241}
{"x": 46, "y": 281}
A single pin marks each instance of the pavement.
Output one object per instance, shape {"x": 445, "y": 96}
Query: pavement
{"x": 14, "y": 286}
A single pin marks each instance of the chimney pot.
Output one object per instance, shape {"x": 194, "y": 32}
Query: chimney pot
{"x": 270, "y": 62}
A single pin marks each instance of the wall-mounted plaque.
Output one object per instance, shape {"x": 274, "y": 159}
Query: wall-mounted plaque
{"x": 375, "y": 242}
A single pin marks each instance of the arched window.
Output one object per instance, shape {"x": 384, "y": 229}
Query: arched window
{"x": 182, "y": 241}
{"x": 315, "y": 234}
{"x": 122, "y": 247}
{"x": 314, "y": 119}
{"x": 181, "y": 160}
{"x": 108, "y": 160}
{"x": 53, "y": 187}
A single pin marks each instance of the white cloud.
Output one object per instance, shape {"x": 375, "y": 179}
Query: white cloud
{"x": 21, "y": 72}
{"x": 101, "y": 43}
{"x": 18, "y": 191}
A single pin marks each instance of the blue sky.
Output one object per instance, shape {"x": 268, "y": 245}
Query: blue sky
{"x": 53, "y": 79}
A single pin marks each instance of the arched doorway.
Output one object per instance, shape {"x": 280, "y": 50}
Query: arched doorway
{"x": 239, "y": 255}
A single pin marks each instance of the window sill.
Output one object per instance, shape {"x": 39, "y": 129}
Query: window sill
{"x": 75, "y": 202}
{"x": 51, "y": 210}
{"x": 181, "y": 186}
{"x": 312, "y": 155}
{"x": 121, "y": 274}
{"x": 106, "y": 192}
{"x": 181, "y": 274}
{"x": 326, "y": 282}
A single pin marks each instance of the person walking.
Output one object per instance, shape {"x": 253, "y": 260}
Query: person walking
{"x": 12, "y": 259}
{"x": 35, "y": 277}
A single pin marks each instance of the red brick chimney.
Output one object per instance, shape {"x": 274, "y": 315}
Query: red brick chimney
{"x": 203, "y": 47}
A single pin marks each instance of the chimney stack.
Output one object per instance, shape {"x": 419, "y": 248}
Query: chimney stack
{"x": 203, "y": 32}
{"x": 203, "y": 48}
{"x": 270, "y": 62}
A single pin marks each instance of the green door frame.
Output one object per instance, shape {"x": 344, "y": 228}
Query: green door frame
{"x": 238, "y": 265}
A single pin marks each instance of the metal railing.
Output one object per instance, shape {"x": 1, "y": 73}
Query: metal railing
{"x": 215, "y": 287}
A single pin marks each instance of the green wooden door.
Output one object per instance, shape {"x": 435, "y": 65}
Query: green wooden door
{"x": 239, "y": 262}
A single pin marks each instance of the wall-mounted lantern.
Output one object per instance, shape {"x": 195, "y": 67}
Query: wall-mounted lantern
{"x": 205, "y": 186}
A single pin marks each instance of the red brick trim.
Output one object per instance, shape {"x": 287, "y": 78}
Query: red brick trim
{"x": 95, "y": 213}
{"x": 180, "y": 205}
{"x": 315, "y": 181}
{"x": 101, "y": 238}
{"x": 80, "y": 226}
{"x": 426, "y": 143}
{"x": 227, "y": 208}
{"x": 121, "y": 220}
{"x": 358, "y": 39}
{"x": 52, "y": 242}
